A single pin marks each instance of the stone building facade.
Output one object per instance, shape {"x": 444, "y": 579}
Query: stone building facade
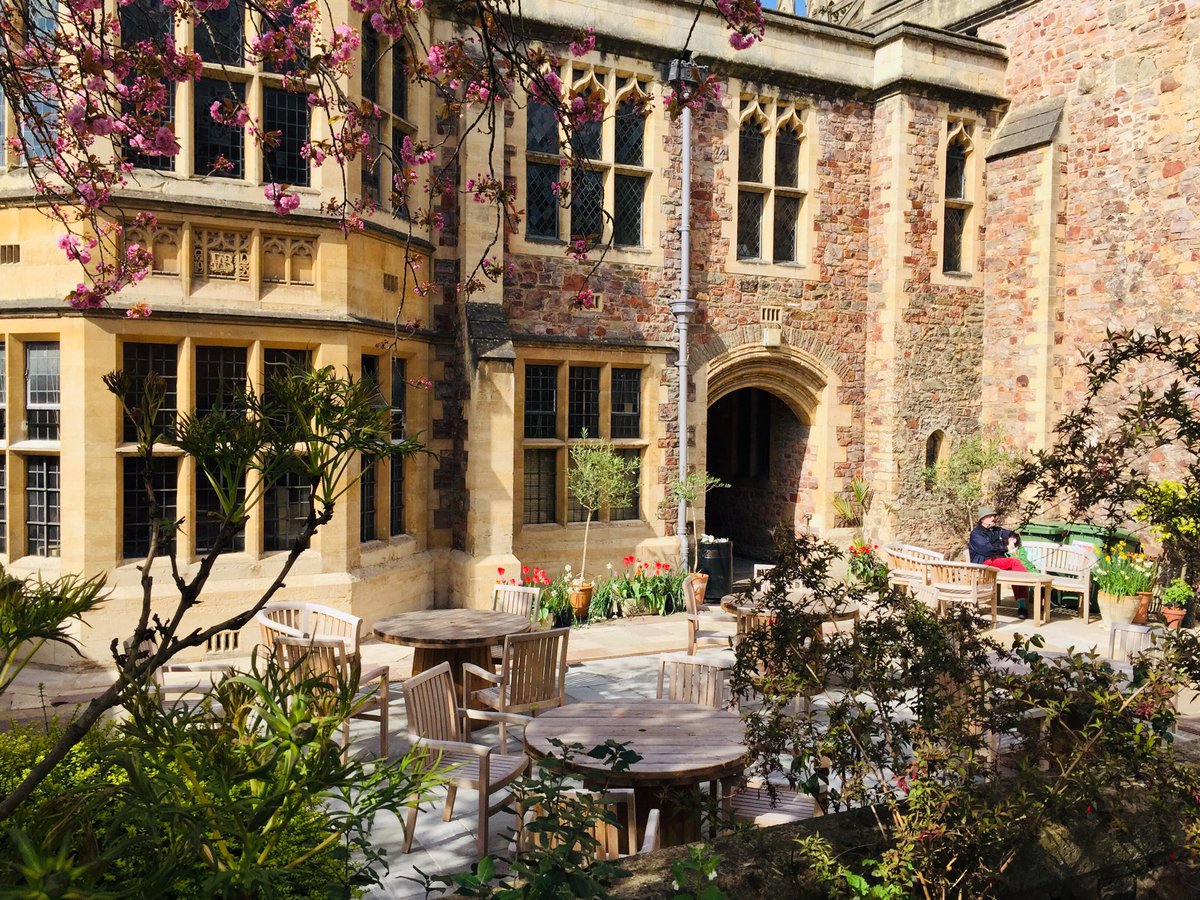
{"x": 907, "y": 220}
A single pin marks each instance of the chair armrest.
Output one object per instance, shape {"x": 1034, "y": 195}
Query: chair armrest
{"x": 449, "y": 746}
{"x": 198, "y": 667}
{"x": 479, "y": 672}
{"x": 488, "y": 715}
{"x": 652, "y": 840}
{"x": 379, "y": 673}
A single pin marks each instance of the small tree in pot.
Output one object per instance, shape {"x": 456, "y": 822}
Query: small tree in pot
{"x": 689, "y": 490}
{"x": 597, "y": 477}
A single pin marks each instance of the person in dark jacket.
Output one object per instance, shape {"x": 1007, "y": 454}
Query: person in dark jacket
{"x": 988, "y": 546}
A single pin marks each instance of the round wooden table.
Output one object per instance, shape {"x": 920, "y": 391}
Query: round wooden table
{"x": 682, "y": 745}
{"x": 455, "y": 636}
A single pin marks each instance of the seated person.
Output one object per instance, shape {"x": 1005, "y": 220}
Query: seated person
{"x": 988, "y": 546}
{"x": 1016, "y": 551}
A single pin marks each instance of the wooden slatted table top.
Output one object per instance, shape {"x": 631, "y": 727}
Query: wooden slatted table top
{"x": 680, "y": 743}
{"x": 449, "y": 627}
{"x": 1005, "y": 576}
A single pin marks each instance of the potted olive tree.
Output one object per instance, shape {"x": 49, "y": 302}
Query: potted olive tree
{"x": 597, "y": 477}
{"x": 689, "y": 490}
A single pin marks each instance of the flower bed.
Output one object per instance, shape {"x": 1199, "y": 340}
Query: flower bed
{"x": 642, "y": 588}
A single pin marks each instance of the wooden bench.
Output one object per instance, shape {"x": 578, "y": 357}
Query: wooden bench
{"x": 1071, "y": 568}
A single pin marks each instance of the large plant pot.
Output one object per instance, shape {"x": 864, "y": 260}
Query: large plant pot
{"x": 1116, "y": 610}
{"x": 1174, "y": 616}
{"x": 699, "y": 587}
{"x": 581, "y": 600}
{"x": 1143, "y": 608}
{"x": 716, "y": 560}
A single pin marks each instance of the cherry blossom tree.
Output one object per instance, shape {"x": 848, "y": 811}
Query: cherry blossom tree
{"x": 92, "y": 91}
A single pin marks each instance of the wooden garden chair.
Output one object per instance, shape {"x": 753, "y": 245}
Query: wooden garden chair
{"x": 327, "y": 657}
{"x": 615, "y": 838}
{"x": 532, "y": 676}
{"x": 752, "y": 803}
{"x": 961, "y": 582}
{"x": 437, "y": 723}
{"x": 518, "y": 600}
{"x": 700, "y": 617}
{"x": 309, "y": 620}
{"x": 692, "y": 679}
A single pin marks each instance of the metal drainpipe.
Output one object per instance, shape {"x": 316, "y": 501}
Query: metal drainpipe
{"x": 684, "y": 75}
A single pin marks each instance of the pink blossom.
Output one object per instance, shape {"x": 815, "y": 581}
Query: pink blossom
{"x": 585, "y": 42}
{"x": 283, "y": 201}
{"x": 138, "y": 311}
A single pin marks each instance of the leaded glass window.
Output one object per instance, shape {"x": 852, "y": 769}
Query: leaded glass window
{"x": 629, "y": 197}
{"x": 634, "y": 509}
{"x": 285, "y": 509}
{"x": 368, "y": 511}
{"x": 956, "y": 171}
{"x": 787, "y": 158}
{"x": 370, "y": 63}
{"x": 140, "y": 361}
{"x": 541, "y": 401}
{"x": 587, "y": 204}
{"x": 541, "y": 213}
{"x": 209, "y": 516}
{"x": 399, "y": 398}
{"x": 396, "y": 495}
{"x": 629, "y": 133}
{"x": 586, "y": 140}
{"x": 138, "y": 519}
{"x": 219, "y": 149}
{"x": 749, "y": 225}
{"x": 541, "y": 486}
{"x": 626, "y": 403}
{"x": 583, "y": 401}
{"x": 42, "y": 509}
{"x": 149, "y": 21}
{"x": 220, "y": 34}
{"x": 952, "y": 244}
{"x": 399, "y": 82}
{"x": 220, "y": 378}
{"x": 286, "y": 114}
{"x": 541, "y": 129}
{"x": 787, "y": 222}
{"x": 750, "y": 152}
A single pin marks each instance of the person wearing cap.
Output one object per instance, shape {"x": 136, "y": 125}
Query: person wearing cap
{"x": 988, "y": 546}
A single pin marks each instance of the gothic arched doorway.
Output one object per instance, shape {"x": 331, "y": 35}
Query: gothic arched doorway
{"x": 760, "y": 447}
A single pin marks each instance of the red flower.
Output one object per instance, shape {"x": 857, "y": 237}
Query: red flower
{"x": 500, "y": 571}
{"x": 628, "y": 560}
{"x": 666, "y": 567}
{"x": 524, "y": 570}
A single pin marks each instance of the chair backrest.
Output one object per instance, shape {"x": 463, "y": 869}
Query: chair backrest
{"x": 1074, "y": 560}
{"x": 431, "y": 705}
{"x": 761, "y": 571}
{"x": 840, "y": 623}
{"x": 693, "y": 595}
{"x": 692, "y": 680}
{"x": 512, "y": 598}
{"x": 534, "y": 669}
{"x": 615, "y": 838}
{"x": 307, "y": 620}
{"x": 947, "y": 572}
{"x": 919, "y": 552}
{"x": 313, "y": 657}
{"x": 906, "y": 566}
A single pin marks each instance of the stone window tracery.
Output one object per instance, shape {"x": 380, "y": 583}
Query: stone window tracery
{"x": 772, "y": 184}
{"x": 163, "y": 242}
{"x": 288, "y": 260}
{"x": 218, "y": 254}
{"x": 958, "y": 200}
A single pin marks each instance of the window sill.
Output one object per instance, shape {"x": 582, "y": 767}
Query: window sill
{"x": 36, "y": 447}
{"x": 128, "y": 448}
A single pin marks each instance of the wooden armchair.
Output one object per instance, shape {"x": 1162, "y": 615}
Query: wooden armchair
{"x": 693, "y": 680}
{"x": 518, "y": 600}
{"x": 437, "y": 723}
{"x": 532, "y": 676}
{"x": 752, "y": 803}
{"x": 309, "y": 620}
{"x": 1070, "y": 566}
{"x": 908, "y": 566}
{"x": 614, "y": 839}
{"x": 327, "y": 657}
{"x": 699, "y": 617}
{"x": 961, "y": 582}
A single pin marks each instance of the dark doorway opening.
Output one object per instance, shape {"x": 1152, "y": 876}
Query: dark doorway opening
{"x": 758, "y": 446}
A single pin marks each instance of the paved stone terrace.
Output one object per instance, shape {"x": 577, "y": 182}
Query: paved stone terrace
{"x": 610, "y": 660}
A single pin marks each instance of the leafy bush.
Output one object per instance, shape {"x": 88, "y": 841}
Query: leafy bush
{"x": 968, "y": 478}
{"x": 245, "y": 794}
{"x": 1178, "y": 594}
{"x": 922, "y": 706}
{"x": 865, "y": 567}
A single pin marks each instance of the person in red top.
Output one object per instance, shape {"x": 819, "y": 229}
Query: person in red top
{"x": 988, "y": 546}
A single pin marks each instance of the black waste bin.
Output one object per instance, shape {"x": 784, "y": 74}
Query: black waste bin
{"x": 716, "y": 560}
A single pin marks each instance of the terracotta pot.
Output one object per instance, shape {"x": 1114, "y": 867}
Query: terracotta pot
{"x": 1174, "y": 616}
{"x": 1115, "y": 610}
{"x": 581, "y": 600}
{"x": 1143, "y": 607}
